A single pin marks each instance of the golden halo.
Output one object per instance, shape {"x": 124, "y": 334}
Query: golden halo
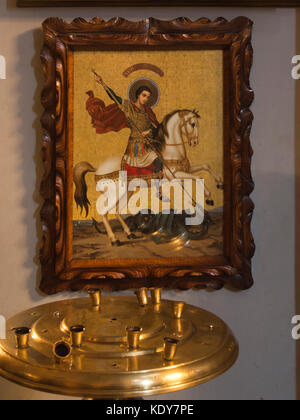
{"x": 143, "y": 81}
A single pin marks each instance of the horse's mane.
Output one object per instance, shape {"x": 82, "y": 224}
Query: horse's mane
{"x": 161, "y": 132}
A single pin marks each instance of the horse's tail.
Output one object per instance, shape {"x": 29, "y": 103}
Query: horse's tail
{"x": 79, "y": 173}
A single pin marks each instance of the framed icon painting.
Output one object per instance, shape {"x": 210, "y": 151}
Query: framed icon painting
{"x": 146, "y": 148}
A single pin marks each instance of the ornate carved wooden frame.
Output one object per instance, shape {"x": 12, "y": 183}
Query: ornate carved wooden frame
{"x": 59, "y": 271}
{"x": 193, "y": 3}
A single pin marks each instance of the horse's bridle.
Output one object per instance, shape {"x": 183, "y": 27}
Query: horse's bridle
{"x": 184, "y": 124}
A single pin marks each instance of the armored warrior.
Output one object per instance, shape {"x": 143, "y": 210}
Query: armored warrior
{"x": 140, "y": 157}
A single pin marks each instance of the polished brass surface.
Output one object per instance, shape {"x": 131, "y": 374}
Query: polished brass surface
{"x": 104, "y": 366}
{"x": 178, "y": 309}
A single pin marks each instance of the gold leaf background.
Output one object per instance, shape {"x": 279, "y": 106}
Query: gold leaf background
{"x": 192, "y": 79}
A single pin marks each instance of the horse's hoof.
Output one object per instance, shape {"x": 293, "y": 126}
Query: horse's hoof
{"x": 132, "y": 236}
{"x": 220, "y": 186}
{"x": 210, "y": 202}
{"x": 116, "y": 243}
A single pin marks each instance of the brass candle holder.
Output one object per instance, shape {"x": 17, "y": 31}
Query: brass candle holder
{"x": 170, "y": 347}
{"x": 142, "y": 296}
{"x": 62, "y": 351}
{"x": 112, "y": 363}
{"x": 95, "y": 297}
{"x": 77, "y": 332}
{"x": 22, "y": 337}
{"x": 155, "y": 295}
{"x": 133, "y": 337}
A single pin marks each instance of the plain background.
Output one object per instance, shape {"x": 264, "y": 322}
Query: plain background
{"x": 260, "y": 317}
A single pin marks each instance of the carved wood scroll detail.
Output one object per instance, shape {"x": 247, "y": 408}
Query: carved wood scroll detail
{"x": 59, "y": 37}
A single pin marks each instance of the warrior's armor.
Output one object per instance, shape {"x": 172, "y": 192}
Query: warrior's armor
{"x": 139, "y": 153}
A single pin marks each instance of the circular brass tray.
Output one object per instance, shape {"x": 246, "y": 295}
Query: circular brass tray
{"x": 104, "y": 367}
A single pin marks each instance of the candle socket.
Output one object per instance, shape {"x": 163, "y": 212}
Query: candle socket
{"x": 170, "y": 348}
{"x": 22, "y": 337}
{"x": 178, "y": 309}
{"x": 96, "y": 297}
{"x": 133, "y": 337}
{"x": 62, "y": 351}
{"x": 155, "y": 295}
{"x": 77, "y": 332}
{"x": 142, "y": 296}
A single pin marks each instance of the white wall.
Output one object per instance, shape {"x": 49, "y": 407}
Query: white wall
{"x": 260, "y": 317}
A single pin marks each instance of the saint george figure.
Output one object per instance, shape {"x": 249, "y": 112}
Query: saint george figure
{"x": 140, "y": 157}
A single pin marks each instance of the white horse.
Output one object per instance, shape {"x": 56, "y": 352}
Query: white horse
{"x": 170, "y": 136}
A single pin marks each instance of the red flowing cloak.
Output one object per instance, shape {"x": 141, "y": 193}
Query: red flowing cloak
{"x": 110, "y": 118}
